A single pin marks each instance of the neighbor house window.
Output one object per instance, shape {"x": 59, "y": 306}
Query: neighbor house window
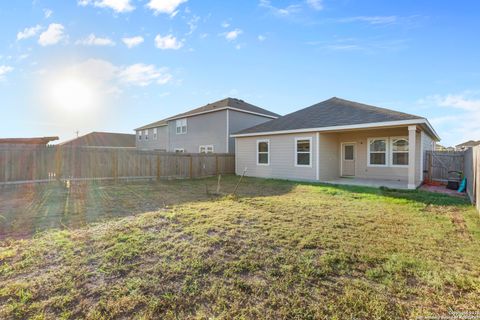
{"x": 146, "y": 134}
{"x": 399, "y": 149}
{"x": 303, "y": 152}
{"x": 181, "y": 126}
{"x": 206, "y": 149}
{"x": 377, "y": 152}
{"x": 154, "y": 133}
{"x": 179, "y": 150}
{"x": 139, "y": 135}
{"x": 263, "y": 152}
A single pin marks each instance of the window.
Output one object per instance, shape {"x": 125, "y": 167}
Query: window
{"x": 206, "y": 149}
{"x": 399, "y": 151}
{"x": 181, "y": 126}
{"x": 303, "y": 152}
{"x": 377, "y": 152}
{"x": 179, "y": 150}
{"x": 154, "y": 133}
{"x": 145, "y": 132}
{"x": 263, "y": 152}
{"x": 139, "y": 135}
{"x": 348, "y": 152}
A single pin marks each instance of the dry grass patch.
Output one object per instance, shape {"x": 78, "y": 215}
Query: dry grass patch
{"x": 280, "y": 250}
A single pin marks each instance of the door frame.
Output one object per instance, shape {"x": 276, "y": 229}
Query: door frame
{"x": 354, "y": 157}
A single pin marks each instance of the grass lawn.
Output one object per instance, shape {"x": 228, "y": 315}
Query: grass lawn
{"x": 280, "y": 250}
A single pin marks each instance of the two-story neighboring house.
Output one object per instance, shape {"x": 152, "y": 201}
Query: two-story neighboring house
{"x": 202, "y": 130}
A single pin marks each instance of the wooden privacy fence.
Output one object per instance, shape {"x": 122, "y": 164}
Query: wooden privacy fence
{"x": 439, "y": 163}
{"x": 472, "y": 173}
{"x": 39, "y": 164}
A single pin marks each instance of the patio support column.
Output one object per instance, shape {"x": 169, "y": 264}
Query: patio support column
{"x": 412, "y": 132}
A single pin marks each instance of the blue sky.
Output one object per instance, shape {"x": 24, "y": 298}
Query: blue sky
{"x": 114, "y": 65}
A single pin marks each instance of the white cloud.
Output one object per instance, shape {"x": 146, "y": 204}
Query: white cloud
{"x": 28, "y": 32}
{"x": 282, "y": 12}
{"x": 462, "y": 122}
{"x": 142, "y": 75}
{"x": 225, "y": 24}
{"x": 53, "y": 35}
{"x": 93, "y": 40}
{"x": 47, "y": 13}
{"x": 165, "y": 6}
{"x": 133, "y": 41}
{"x": 371, "y": 19}
{"x": 4, "y": 70}
{"x": 315, "y": 4}
{"x": 119, "y": 6}
{"x": 167, "y": 42}
{"x": 261, "y": 38}
{"x": 232, "y": 35}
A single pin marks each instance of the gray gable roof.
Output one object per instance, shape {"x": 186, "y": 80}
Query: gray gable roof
{"x": 330, "y": 113}
{"x": 221, "y": 104}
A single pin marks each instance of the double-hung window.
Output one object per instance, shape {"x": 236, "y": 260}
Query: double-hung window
{"x": 399, "y": 147}
{"x": 303, "y": 152}
{"x": 181, "y": 126}
{"x": 155, "y": 134}
{"x": 263, "y": 152}
{"x": 145, "y": 132}
{"x": 377, "y": 152}
{"x": 206, "y": 149}
{"x": 140, "y": 135}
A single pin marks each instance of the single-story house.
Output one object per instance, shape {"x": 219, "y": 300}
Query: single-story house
{"x": 206, "y": 129}
{"x": 338, "y": 138}
{"x": 102, "y": 139}
{"x": 26, "y": 142}
{"x": 467, "y": 145}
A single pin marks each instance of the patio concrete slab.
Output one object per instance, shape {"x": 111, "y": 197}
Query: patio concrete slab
{"x": 376, "y": 183}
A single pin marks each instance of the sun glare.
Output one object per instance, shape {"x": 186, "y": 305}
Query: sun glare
{"x": 72, "y": 94}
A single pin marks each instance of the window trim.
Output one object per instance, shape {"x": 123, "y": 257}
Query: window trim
{"x": 181, "y": 126}
{"x": 155, "y": 134}
{"x": 140, "y": 135}
{"x": 145, "y": 133}
{"x": 296, "y": 152}
{"x": 206, "y": 146}
{"x": 387, "y": 144}
{"x": 257, "y": 153}
{"x": 391, "y": 152}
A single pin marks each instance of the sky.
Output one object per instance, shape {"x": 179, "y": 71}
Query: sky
{"x": 113, "y": 65}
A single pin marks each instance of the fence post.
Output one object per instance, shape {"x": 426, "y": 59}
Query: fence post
{"x": 158, "y": 168}
{"x": 216, "y": 165}
{"x": 58, "y": 163}
{"x": 115, "y": 164}
{"x": 7, "y": 164}
{"x": 191, "y": 167}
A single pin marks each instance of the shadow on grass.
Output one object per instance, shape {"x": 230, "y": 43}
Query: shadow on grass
{"x": 420, "y": 196}
{"x": 28, "y": 209}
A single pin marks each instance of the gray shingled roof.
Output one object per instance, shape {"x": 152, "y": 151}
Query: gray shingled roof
{"x": 329, "y": 113}
{"x": 228, "y": 102}
{"x": 103, "y": 139}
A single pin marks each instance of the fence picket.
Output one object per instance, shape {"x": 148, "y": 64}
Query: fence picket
{"x": 35, "y": 164}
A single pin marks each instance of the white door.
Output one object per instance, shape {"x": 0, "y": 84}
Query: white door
{"x": 348, "y": 159}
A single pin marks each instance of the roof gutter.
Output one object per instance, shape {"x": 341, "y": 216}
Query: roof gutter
{"x": 346, "y": 127}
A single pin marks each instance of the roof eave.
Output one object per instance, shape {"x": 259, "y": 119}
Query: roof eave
{"x": 346, "y": 127}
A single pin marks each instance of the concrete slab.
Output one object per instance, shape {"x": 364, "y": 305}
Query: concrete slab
{"x": 376, "y": 183}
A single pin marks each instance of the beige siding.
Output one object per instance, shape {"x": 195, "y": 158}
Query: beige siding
{"x": 282, "y": 157}
{"x": 362, "y": 170}
{"x": 329, "y": 156}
